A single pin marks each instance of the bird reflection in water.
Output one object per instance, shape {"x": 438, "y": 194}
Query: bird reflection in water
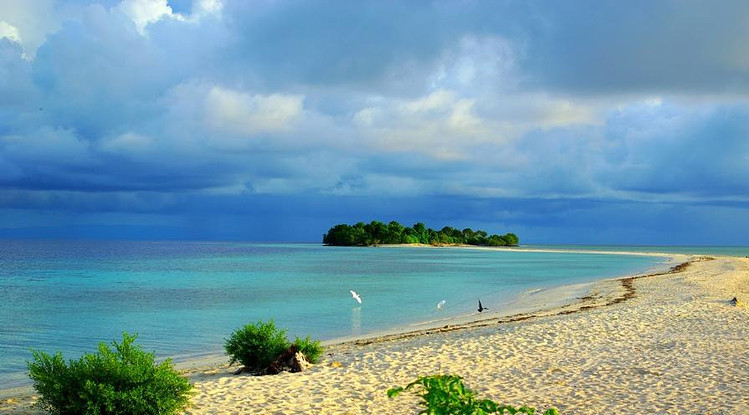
{"x": 356, "y": 321}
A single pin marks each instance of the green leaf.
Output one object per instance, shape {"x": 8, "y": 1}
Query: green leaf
{"x": 393, "y": 392}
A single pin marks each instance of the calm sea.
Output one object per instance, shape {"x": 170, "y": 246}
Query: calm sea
{"x": 185, "y": 298}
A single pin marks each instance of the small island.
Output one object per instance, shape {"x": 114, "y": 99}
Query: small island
{"x": 393, "y": 233}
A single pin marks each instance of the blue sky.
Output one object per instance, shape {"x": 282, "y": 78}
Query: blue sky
{"x": 564, "y": 122}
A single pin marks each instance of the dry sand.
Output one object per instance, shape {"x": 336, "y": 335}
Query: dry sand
{"x": 672, "y": 343}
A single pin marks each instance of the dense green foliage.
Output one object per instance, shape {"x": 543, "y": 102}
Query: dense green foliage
{"x": 121, "y": 381}
{"x": 257, "y": 345}
{"x": 375, "y": 233}
{"x": 446, "y": 394}
{"x": 311, "y": 349}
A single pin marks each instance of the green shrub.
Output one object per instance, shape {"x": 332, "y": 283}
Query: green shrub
{"x": 121, "y": 381}
{"x": 311, "y": 349}
{"x": 446, "y": 394}
{"x": 256, "y": 345}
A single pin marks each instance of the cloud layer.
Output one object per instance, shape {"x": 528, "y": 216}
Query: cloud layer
{"x": 568, "y": 122}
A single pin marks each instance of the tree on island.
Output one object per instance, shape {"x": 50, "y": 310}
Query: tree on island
{"x": 393, "y": 233}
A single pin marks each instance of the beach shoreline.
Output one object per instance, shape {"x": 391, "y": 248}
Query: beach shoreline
{"x": 524, "y": 302}
{"x": 212, "y": 376}
{"x": 624, "y": 354}
{"x": 594, "y": 294}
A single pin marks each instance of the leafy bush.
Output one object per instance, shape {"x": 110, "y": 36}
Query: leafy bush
{"x": 446, "y": 394}
{"x": 256, "y": 345}
{"x": 121, "y": 381}
{"x": 311, "y": 349}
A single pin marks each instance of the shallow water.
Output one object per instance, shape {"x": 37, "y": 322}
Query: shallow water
{"x": 185, "y": 298}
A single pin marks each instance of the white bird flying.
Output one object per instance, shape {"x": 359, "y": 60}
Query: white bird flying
{"x": 356, "y": 296}
{"x": 441, "y": 304}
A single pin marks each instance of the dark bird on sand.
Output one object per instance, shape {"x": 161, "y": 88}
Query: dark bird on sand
{"x": 481, "y": 308}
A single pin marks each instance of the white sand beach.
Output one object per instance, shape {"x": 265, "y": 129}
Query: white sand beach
{"x": 667, "y": 343}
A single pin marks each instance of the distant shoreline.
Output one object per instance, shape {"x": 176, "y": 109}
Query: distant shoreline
{"x": 521, "y": 248}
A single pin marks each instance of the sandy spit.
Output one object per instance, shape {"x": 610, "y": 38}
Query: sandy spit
{"x": 669, "y": 343}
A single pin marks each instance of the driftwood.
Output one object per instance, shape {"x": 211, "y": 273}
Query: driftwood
{"x": 291, "y": 360}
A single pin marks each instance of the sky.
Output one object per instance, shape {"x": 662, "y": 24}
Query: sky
{"x": 585, "y": 122}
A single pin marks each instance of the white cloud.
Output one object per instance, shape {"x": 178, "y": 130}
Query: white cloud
{"x": 440, "y": 125}
{"x": 366, "y": 117}
{"x": 28, "y": 22}
{"x": 9, "y": 32}
{"x": 552, "y": 112}
{"x": 439, "y": 100}
{"x": 463, "y": 120}
{"x": 472, "y": 108}
{"x": 203, "y": 7}
{"x": 247, "y": 114}
{"x": 145, "y": 12}
{"x": 128, "y": 144}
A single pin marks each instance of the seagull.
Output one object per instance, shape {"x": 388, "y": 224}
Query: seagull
{"x": 356, "y": 296}
{"x": 441, "y": 304}
{"x": 481, "y": 308}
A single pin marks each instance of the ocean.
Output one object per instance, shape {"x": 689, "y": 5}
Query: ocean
{"x": 184, "y": 298}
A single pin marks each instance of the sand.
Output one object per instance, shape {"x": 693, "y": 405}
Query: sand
{"x": 668, "y": 343}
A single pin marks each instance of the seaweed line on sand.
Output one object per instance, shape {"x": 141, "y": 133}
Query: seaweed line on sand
{"x": 585, "y": 303}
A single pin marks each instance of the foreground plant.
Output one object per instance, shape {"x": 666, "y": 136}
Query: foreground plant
{"x": 312, "y": 349}
{"x": 123, "y": 380}
{"x": 257, "y": 346}
{"x": 446, "y": 394}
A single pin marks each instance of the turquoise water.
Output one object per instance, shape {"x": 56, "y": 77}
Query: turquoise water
{"x": 184, "y": 299}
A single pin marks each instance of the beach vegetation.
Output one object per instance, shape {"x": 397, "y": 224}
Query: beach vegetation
{"x": 446, "y": 394}
{"x": 122, "y": 379}
{"x": 393, "y": 233}
{"x": 311, "y": 349}
{"x": 258, "y": 345}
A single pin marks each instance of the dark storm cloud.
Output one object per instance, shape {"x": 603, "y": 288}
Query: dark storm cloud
{"x": 629, "y": 47}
